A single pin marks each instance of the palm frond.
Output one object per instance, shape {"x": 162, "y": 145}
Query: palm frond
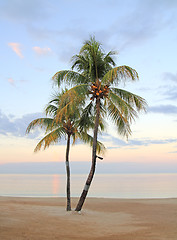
{"x": 108, "y": 59}
{"x": 92, "y": 62}
{"x": 91, "y": 45}
{"x": 68, "y": 77}
{"x": 74, "y": 137}
{"x": 70, "y": 102}
{"x": 45, "y": 123}
{"x": 119, "y": 118}
{"x": 125, "y": 107}
{"x": 80, "y": 62}
{"x": 51, "y": 138}
{"x": 86, "y": 118}
{"x": 102, "y": 124}
{"x": 86, "y": 138}
{"x": 118, "y": 74}
{"x": 133, "y": 100}
{"x": 51, "y": 109}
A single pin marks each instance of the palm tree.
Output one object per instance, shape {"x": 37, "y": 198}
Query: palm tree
{"x": 67, "y": 125}
{"x": 97, "y": 77}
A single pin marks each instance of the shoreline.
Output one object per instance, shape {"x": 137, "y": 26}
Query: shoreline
{"x": 39, "y": 218}
{"x": 108, "y": 198}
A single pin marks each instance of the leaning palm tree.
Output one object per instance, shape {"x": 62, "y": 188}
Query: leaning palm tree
{"x": 67, "y": 125}
{"x": 97, "y": 77}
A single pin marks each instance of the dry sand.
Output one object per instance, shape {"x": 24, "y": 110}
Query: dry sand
{"x": 100, "y": 219}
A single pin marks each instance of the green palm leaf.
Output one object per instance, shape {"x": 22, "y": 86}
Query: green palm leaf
{"x": 40, "y": 122}
{"x": 71, "y": 101}
{"x": 125, "y": 108}
{"x": 134, "y": 100}
{"x": 118, "y": 74}
{"x": 119, "y": 117}
{"x": 108, "y": 59}
{"x": 68, "y": 77}
{"x": 87, "y": 118}
{"x": 51, "y": 138}
{"x": 86, "y": 138}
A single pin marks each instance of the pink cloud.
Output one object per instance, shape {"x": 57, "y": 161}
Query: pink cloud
{"x": 11, "y": 81}
{"x": 16, "y": 47}
{"x": 42, "y": 51}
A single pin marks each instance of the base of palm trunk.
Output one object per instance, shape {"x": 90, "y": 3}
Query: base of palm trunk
{"x": 81, "y": 201}
{"x": 68, "y": 206}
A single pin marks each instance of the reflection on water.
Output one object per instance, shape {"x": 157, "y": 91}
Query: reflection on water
{"x": 104, "y": 185}
{"x": 55, "y": 184}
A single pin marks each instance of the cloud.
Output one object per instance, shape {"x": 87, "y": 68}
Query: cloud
{"x": 15, "y": 83}
{"x": 65, "y": 47}
{"x": 171, "y": 94}
{"x": 165, "y": 109}
{"x": 169, "y": 91}
{"x": 170, "y": 76}
{"x": 147, "y": 142}
{"x": 24, "y": 11}
{"x": 173, "y": 152}
{"x": 115, "y": 142}
{"x": 17, "y": 126}
{"x": 6, "y": 124}
{"x": 16, "y": 47}
{"x": 11, "y": 126}
{"x": 42, "y": 51}
{"x": 11, "y": 81}
{"x": 141, "y": 20}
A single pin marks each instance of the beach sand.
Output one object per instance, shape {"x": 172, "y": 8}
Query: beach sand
{"x": 100, "y": 219}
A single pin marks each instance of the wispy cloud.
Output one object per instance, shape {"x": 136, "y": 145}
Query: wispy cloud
{"x": 12, "y": 126}
{"x": 42, "y": 51}
{"x": 169, "y": 91}
{"x": 17, "y": 126}
{"x": 141, "y": 20}
{"x": 171, "y": 94}
{"x": 25, "y": 11}
{"x": 11, "y": 81}
{"x": 115, "y": 142}
{"x": 165, "y": 109}
{"x": 16, "y": 47}
{"x": 15, "y": 83}
{"x": 170, "y": 76}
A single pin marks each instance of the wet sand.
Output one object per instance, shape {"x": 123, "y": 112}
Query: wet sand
{"x": 100, "y": 219}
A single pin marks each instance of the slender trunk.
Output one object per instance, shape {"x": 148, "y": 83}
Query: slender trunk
{"x": 68, "y": 208}
{"x": 93, "y": 166}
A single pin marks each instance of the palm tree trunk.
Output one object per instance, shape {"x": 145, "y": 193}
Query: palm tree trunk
{"x": 68, "y": 208}
{"x": 93, "y": 166}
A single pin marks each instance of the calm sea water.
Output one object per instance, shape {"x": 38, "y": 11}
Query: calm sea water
{"x": 103, "y": 185}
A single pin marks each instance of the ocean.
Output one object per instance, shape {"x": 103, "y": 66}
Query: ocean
{"x": 133, "y": 186}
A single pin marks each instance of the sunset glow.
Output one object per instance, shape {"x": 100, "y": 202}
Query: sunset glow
{"x": 35, "y": 46}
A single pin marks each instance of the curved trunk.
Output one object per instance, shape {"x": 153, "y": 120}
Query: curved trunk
{"x": 68, "y": 208}
{"x": 93, "y": 166}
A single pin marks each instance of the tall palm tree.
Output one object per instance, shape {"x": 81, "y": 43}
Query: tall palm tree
{"x": 97, "y": 77}
{"x": 67, "y": 125}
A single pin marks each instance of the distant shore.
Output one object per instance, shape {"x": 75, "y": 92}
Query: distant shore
{"x": 101, "y": 219}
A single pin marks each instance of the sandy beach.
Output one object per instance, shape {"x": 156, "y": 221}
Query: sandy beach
{"x": 100, "y": 219}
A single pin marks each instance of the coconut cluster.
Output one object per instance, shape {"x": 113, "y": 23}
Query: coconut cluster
{"x": 98, "y": 90}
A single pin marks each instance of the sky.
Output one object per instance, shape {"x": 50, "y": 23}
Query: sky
{"x": 39, "y": 37}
